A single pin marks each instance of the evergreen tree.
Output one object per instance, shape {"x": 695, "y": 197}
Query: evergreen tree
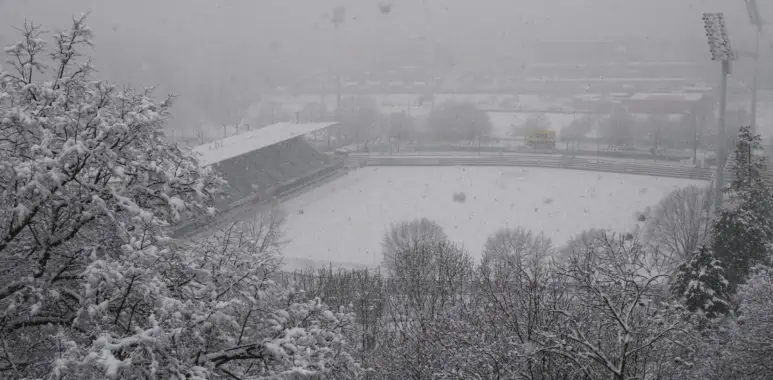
{"x": 701, "y": 284}
{"x": 744, "y": 227}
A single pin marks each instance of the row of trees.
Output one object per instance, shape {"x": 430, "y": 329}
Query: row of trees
{"x": 459, "y": 121}
{"x": 598, "y": 308}
{"x": 454, "y": 121}
{"x": 361, "y": 121}
{"x": 621, "y": 128}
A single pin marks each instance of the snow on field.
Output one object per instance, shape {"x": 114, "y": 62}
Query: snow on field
{"x": 343, "y": 221}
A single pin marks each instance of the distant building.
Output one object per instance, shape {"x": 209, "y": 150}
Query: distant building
{"x": 666, "y": 103}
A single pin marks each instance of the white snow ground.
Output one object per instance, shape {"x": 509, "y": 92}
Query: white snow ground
{"x": 343, "y": 221}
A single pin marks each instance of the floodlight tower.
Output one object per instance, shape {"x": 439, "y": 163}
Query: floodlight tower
{"x": 757, "y": 21}
{"x": 339, "y": 16}
{"x": 721, "y": 50}
{"x": 429, "y": 77}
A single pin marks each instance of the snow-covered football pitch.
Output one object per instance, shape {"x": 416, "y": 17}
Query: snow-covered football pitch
{"x": 342, "y": 222}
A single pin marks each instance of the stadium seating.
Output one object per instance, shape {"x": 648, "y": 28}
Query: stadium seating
{"x": 259, "y": 172}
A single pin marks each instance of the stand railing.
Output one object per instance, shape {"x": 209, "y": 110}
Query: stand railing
{"x": 556, "y": 162}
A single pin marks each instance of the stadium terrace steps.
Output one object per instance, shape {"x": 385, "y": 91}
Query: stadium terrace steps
{"x": 245, "y": 208}
{"x": 255, "y": 173}
{"x": 263, "y": 175}
{"x": 556, "y": 162}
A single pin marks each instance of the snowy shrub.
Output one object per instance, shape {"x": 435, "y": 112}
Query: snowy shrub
{"x": 701, "y": 285}
{"x": 426, "y": 291}
{"x": 620, "y": 322}
{"x": 454, "y": 122}
{"x": 510, "y": 246}
{"x": 580, "y": 242}
{"x": 513, "y": 296}
{"x": 680, "y": 223}
{"x": 403, "y": 237}
{"x": 359, "y": 290}
{"x": 743, "y": 230}
{"x": 753, "y": 334}
{"x": 739, "y": 346}
{"x": 91, "y": 287}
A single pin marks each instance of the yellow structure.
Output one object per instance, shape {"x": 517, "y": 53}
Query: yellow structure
{"x": 541, "y": 139}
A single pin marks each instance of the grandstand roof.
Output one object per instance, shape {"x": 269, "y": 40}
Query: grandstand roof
{"x": 243, "y": 143}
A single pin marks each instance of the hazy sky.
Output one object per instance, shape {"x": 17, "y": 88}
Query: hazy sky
{"x": 233, "y": 47}
{"x": 300, "y": 23}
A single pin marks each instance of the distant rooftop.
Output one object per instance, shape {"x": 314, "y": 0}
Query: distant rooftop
{"x": 614, "y": 64}
{"x": 578, "y": 41}
{"x": 243, "y": 143}
{"x": 688, "y": 97}
{"x": 602, "y": 79}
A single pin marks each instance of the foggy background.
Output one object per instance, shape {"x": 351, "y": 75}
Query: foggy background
{"x": 221, "y": 56}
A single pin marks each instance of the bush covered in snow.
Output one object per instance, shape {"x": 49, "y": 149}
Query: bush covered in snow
{"x": 680, "y": 223}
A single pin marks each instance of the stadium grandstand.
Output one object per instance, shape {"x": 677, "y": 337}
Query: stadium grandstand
{"x": 264, "y": 163}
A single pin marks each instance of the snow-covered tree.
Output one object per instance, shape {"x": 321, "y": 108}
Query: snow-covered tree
{"x": 359, "y": 118}
{"x": 362, "y": 291}
{"x": 618, "y": 127}
{"x": 87, "y": 183}
{"x": 403, "y": 238}
{"x": 401, "y": 127}
{"x": 426, "y": 292}
{"x": 534, "y": 123}
{"x": 619, "y": 322}
{"x": 701, "y": 285}
{"x": 517, "y": 290}
{"x": 739, "y": 346}
{"x": 655, "y": 127}
{"x": 743, "y": 229}
{"x": 577, "y": 130}
{"x": 91, "y": 287}
{"x": 581, "y": 245}
{"x": 753, "y": 335}
{"x": 234, "y": 319}
{"x": 680, "y": 223}
{"x": 515, "y": 244}
{"x": 459, "y": 122}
